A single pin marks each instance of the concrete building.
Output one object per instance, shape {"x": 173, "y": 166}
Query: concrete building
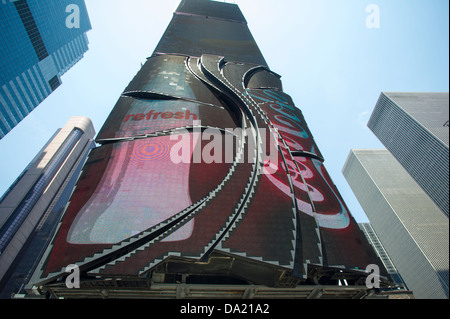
{"x": 410, "y": 226}
{"x": 382, "y": 253}
{"x": 31, "y": 207}
{"x": 414, "y": 128}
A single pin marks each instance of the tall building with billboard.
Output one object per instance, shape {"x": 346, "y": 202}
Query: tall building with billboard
{"x": 410, "y": 226}
{"x": 40, "y": 41}
{"x": 414, "y": 128}
{"x": 32, "y": 206}
{"x": 207, "y": 174}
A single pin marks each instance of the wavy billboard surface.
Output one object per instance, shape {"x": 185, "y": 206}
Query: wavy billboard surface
{"x": 206, "y": 167}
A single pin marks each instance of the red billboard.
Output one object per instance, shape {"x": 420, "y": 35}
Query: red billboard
{"x": 202, "y": 157}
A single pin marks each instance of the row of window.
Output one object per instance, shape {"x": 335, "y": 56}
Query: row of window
{"x": 20, "y": 96}
{"x": 32, "y": 30}
{"x": 13, "y": 224}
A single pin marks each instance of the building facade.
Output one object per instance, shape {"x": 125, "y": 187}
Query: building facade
{"x": 207, "y": 174}
{"x": 32, "y": 206}
{"x": 40, "y": 41}
{"x": 414, "y": 128}
{"x": 375, "y": 241}
{"x": 410, "y": 226}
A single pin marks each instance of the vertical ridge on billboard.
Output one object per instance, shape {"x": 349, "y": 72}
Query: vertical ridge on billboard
{"x": 204, "y": 157}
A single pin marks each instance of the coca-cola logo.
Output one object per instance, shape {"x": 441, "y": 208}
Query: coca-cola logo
{"x": 315, "y": 195}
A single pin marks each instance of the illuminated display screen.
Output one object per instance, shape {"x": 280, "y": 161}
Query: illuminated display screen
{"x": 128, "y": 185}
{"x": 194, "y": 36}
{"x": 201, "y": 155}
{"x": 182, "y": 192}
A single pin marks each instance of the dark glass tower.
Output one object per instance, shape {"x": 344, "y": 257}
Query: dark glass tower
{"x": 206, "y": 173}
{"x": 40, "y": 41}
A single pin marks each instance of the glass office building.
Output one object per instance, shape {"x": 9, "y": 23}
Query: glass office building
{"x": 414, "y": 128}
{"x": 39, "y": 41}
{"x": 208, "y": 176}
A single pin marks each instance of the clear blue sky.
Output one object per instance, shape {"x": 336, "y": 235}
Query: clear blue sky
{"x": 331, "y": 63}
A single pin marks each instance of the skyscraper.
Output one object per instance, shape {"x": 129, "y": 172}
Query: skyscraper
{"x": 381, "y": 252}
{"x": 40, "y": 41}
{"x": 206, "y": 173}
{"x": 414, "y": 128}
{"x": 31, "y": 207}
{"x": 410, "y": 226}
